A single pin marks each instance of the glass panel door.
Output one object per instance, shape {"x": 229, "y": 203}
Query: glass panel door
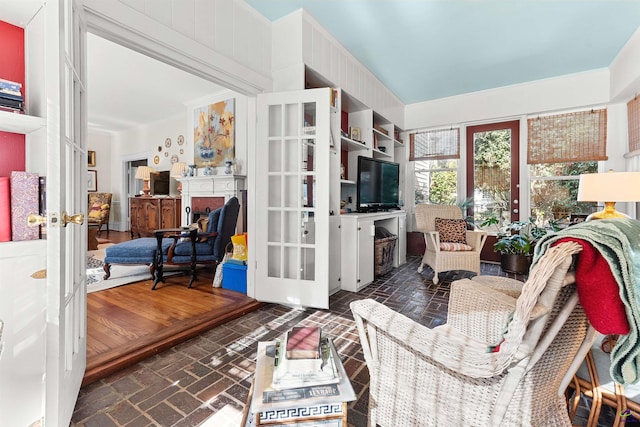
{"x": 493, "y": 173}
{"x": 292, "y": 249}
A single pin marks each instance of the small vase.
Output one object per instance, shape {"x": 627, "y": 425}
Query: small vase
{"x": 227, "y": 169}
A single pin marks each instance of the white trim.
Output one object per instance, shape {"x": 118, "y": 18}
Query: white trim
{"x": 120, "y": 24}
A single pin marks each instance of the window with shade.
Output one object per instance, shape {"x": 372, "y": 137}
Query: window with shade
{"x": 435, "y": 154}
{"x": 560, "y": 148}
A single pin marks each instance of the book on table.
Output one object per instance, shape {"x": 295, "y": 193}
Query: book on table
{"x": 268, "y": 396}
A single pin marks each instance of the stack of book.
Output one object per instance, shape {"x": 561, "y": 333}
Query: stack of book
{"x": 11, "y": 96}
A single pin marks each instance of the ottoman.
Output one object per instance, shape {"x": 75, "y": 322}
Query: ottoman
{"x": 137, "y": 251}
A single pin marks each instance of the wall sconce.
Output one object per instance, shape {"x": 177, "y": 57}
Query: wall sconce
{"x": 610, "y": 187}
{"x": 144, "y": 173}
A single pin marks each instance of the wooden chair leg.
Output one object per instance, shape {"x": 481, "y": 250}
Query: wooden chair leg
{"x": 596, "y": 397}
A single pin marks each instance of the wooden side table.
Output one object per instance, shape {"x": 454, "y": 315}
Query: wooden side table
{"x": 593, "y": 380}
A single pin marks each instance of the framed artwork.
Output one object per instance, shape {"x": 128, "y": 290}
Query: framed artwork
{"x": 214, "y": 134}
{"x": 91, "y": 158}
{"x": 355, "y": 134}
{"x": 92, "y": 180}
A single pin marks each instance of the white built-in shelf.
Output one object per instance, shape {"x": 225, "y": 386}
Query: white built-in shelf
{"x": 20, "y": 123}
{"x": 351, "y": 145}
{"x": 17, "y": 249}
{"x": 347, "y": 182}
{"x": 381, "y": 135}
{"x": 398, "y": 143}
{"x": 377, "y": 153}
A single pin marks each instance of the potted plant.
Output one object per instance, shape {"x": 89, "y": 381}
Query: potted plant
{"x": 517, "y": 243}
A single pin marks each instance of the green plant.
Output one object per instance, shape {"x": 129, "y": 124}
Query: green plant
{"x": 521, "y": 236}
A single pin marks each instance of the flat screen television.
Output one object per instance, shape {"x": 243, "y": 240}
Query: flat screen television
{"x": 160, "y": 183}
{"x": 378, "y": 186}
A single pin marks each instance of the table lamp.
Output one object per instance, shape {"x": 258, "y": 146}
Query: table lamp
{"x": 144, "y": 173}
{"x": 610, "y": 187}
{"x": 178, "y": 170}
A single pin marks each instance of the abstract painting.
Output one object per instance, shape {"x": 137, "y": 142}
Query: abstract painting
{"x": 214, "y": 134}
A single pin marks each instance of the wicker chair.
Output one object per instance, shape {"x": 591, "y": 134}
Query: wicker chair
{"x": 443, "y": 260}
{"x": 449, "y": 376}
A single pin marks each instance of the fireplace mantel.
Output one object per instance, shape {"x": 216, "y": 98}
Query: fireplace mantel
{"x": 215, "y": 186}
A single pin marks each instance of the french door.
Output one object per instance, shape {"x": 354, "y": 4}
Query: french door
{"x": 493, "y": 171}
{"x": 292, "y": 198}
{"x": 66, "y": 196}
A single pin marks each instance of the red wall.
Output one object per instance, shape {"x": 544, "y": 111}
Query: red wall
{"x": 12, "y": 152}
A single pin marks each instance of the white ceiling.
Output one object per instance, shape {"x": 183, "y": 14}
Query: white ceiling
{"x": 429, "y": 49}
{"x": 126, "y": 89}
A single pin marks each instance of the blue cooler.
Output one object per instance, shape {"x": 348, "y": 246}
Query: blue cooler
{"x": 234, "y": 277}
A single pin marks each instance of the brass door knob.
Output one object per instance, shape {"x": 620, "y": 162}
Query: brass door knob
{"x": 33, "y": 220}
{"x": 76, "y": 219}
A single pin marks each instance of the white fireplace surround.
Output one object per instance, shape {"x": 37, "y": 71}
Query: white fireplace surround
{"x": 225, "y": 186}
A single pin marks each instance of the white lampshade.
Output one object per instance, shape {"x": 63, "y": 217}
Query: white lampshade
{"x": 609, "y": 187}
{"x": 144, "y": 173}
{"x": 177, "y": 169}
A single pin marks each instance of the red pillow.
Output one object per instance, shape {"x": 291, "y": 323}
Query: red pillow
{"x": 598, "y": 290}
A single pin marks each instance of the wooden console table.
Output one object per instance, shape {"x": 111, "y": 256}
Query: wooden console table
{"x": 149, "y": 214}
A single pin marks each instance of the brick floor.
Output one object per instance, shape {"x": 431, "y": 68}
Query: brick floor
{"x": 205, "y": 381}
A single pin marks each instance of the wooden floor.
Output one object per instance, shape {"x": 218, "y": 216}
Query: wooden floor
{"x": 129, "y": 323}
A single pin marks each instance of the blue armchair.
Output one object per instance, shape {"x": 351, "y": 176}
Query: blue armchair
{"x": 191, "y": 247}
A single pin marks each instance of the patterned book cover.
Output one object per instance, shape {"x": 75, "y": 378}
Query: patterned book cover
{"x": 5, "y": 209}
{"x": 24, "y": 201}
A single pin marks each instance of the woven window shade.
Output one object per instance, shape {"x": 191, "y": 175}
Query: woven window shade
{"x": 633, "y": 112}
{"x": 435, "y": 144}
{"x": 571, "y": 137}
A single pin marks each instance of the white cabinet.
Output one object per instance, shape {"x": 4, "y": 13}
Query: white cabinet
{"x": 357, "y": 252}
{"x": 358, "y": 243}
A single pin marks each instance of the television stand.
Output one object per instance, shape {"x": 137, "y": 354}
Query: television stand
{"x": 357, "y": 244}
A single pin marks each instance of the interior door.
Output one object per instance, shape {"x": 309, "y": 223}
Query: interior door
{"x": 292, "y": 198}
{"x": 66, "y": 197}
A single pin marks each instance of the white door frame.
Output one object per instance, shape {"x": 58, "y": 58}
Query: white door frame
{"x": 124, "y": 203}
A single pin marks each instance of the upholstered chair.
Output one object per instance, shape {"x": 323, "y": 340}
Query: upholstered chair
{"x": 99, "y": 209}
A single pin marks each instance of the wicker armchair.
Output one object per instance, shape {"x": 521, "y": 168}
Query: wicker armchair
{"x": 99, "y": 210}
{"x": 444, "y": 260}
{"x": 449, "y": 376}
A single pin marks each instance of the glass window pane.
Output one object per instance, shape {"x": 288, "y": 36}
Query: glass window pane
{"x": 492, "y": 175}
{"x": 275, "y": 191}
{"x": 436, "y": 181}
{"x": 309, "y": 124}
{"x": 291, "y": 227}
{"x": 556, "y": 199}
{"x": 290, "y": 263}
{"x": 309, "y": 191}
{"x": 308, "y": 228}
{"x": 291, "y": 122}
{"x": 275, "y": 260}
{"x": 291, "y": 192}
{"x": 308, "y": 155}
{"x": 274, "y": 219}
{"x": 307, "y": 264}
{"x": 275, "y": 155}
{"x": 291, "y": 155}
{"x": 275, "y": 120}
